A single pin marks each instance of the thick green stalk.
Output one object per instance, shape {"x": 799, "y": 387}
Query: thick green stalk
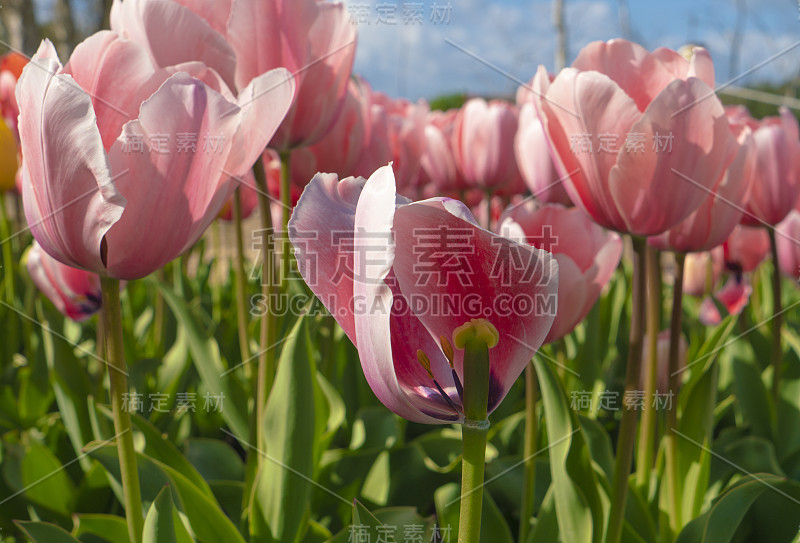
{"x": 647, "y": 430}
{"x": 673, "y": 473}
{"x": 474, "y": 432}
{"x": 286, "y": 206}
{"x": 216, "y": 287}
{"x": 241, "y": 286}
{"x": 529, "y": 480}
{"x": 627, "y": 430}
{"x": 117, "y": 377}
{"x": 777, "y": 319}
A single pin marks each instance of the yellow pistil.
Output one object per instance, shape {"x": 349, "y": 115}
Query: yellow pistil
{"x": 479, "y": 329}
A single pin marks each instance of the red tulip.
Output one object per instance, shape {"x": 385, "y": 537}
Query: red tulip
{"x": 125, "y": 200}
{"x": 733, "y": 296}
{"x": 629, "y": 127}
{"x": 533, "y": 158}
{"x": 382, "y": 267}
{"x": 712, "y": 222}
{"x": 788, "y": 239}
{"x": 587, "y": 255}
{"x": 776, "y": 184}
{"x": 484, "y": 143}
{"x": 745, "y": 248}
{"x": 75, "y": 293}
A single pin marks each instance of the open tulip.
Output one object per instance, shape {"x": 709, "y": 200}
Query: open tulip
{"x": 379, "y": 263}
{"x": 628, "y": 128}
{"x": 776, "y": 184}
{"x": 124, "y": 198}
{"x": 587, "y": 255}
{"x": 75, "y": 293}
{"x": 746, "y": 248}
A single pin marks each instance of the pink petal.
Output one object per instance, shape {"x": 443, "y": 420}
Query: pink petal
{"x": 152, "y": 24}
{"x": 69, "y": 198}
{"x": 533, "y": 158}
{"x": 788, "y": 240}
{"x": 174, "y": 194}
{"x": 734, "y": 296}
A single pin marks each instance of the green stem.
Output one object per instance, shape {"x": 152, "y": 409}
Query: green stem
{"x": 216, "y": 286}
{"x": 647, "y": 430}
{"x": 266, "y": 359}
{"x": 241, "y": 284}
{"x": 8, "y": 256}
{"x": 673, "y": 473}
{"x": 286, "y": 206}
{"x": 777, "y": 319}
{"x": 627, "y": 430}
{"x": 474, "y": 432}
{"x": 529, "y": 480}
{"x": 158, "y": 318}
{"x": 117, "y": 376}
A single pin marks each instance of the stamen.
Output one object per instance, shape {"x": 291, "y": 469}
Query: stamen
{"x": 447, "y": 349}
{"x": 425, "y": 362}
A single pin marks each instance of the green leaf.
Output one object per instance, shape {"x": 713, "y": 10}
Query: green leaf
{"x": 206, "y": 358}
{"x": 110, "y": 527}
{"x": 754, "y": 400}
{"x": 45, "y": 481}
{"x": 160, "y": 526}
{"x": 204, "y": 514}
{"x": 43, "y": 532}
{"x": 720, "y": 523}
{"x": 215, "y": 460}
{"x": 283, "y": 487}
{"x": 581, "y": 518}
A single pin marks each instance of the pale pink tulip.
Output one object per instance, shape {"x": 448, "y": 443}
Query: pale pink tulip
{"x": 379, "y": 264}
{"x": 702, "y": 270}
{"x": 776, "y": 184}
{"x": 787, "y": 236}
{"x": 712, "y": 223}
{"x": 587, "y": 255}
{"x": 439, "y": 173}
{"x": 483, "y": 141}
{"x": 125, "y": 200}
{"x": 533, "y": 158}
{"x": 640, "y": 137}
{"x": 75, "y": 293}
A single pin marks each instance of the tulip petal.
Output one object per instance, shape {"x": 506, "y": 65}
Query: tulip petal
{"x": 69, "y": 198}
{"x": 182, "y": 210}
{"x": 442, "y": 255}
{"x": 374, "y": 256}
{"x": 152, "y": 23}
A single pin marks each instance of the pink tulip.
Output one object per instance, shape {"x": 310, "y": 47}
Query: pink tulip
{"x": 776, "y": 184}
{"x": 75, "y": 293}
{"x": 697, "y": 268}
{"x": 711, "y": 223}
{"x": 406, "y": 136}
{"x": 439, "y": 171}
{"x": 125, "y": 200}
{"x": 533, "y": 157}
{"x": 242, "y": 39}
{"x": 587, "y": 255}
{"x": 379, "y": 263}
{"x": 788, "y": 239}
{"x": 377, "y": 146}
{"x": 641, "y": 136}
{"x": 745, "y": 248}
{"x": 733, "y": 296}
{"x": 483, "y": 139}
{"x": 315, "y": 41}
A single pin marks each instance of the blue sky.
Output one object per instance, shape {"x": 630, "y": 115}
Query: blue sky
{"x": 415, "y": 60}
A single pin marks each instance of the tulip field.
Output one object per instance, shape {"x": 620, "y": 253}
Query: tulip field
{"x": 247, "y": 297}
